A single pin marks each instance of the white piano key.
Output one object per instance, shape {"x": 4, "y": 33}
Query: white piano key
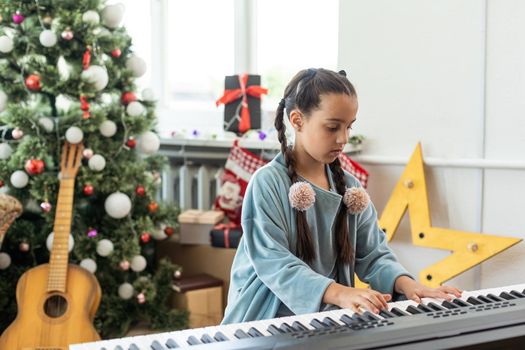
{"x": 403, "y": 304}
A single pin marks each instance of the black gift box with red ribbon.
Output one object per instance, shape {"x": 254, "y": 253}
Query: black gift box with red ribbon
{"x": 242, "y": 102}
{"x": 226, "y": 235}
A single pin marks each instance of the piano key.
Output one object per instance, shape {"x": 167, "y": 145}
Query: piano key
{"x": 398, "y": 312}
{"x": 424, "y": 308}
{"x": 447, "y": 304}
{"x": 414, "y": 310}
{"x": 318, "y": 324}
{"x": 387, "y": 314}
{"x": 330, "y": 322}
{"x": 474, "y": 301}
{"x": 436, "y": 306}
{"x": 254, "y": 332}
{"x": 485, "y": 299}
{"x": 507, "y": 296}
{"x": 133, "y": 346}
{"x": 192, "y": 340}
{"x": 274, "y": 330}
{"x": 207, "y": 339}
{"x": 347, "y": 320}
{"x": 286, "y": 328}
{"x": 219, "y": 336}
{"x": 371, "y": 316}
{"x": 461, "y": 303}
{"x": 155, "y": 345}
{"x": 240, "y": 334}
{"x": 517, "y": 294}
{"x": 298, "y": 326}
{"x": 171, "y": 344}
{"x": 494, "y": 297}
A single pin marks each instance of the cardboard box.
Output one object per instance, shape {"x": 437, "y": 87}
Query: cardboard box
{"x": 195, "y": 225}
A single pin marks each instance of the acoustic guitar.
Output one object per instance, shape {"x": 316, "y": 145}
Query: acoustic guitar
{"x": 56, "y": 302}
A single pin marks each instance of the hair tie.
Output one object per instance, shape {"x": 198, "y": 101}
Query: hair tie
{"x": 282, "y": 103}
{"x": 342, "y": 72}
{"x": 301, "y": 195}
{"x": 356, "y": 200}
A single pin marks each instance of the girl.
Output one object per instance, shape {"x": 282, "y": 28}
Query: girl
{"x": 308, "y": 225}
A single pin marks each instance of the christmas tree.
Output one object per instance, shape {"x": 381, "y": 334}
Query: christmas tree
{"x": 67, "y": 73}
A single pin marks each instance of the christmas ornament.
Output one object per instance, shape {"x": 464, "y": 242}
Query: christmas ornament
{"x": 138, "y": 263}
{"x": 47, "y": 20}
{"x": 67, "y": 34}
{"x": 169, "y": 231}
{"x": 3, "y": 100}
{"x": 88, "y": 190}
{"x": 125, "y": 291}
{"x": 135, "y": 109}
{"x": 97, "y": 162}
{"x": 137, "y": 66}
{"x": 124, "y": 265}
{"x": 2, "y": 183}
{"x": 84, "y": 107}
{"x": 148, "y": 95}
{"x": 46, "y": 123}
{"x": 23, "y": 247}
{"x": 149, "y": 143}
{"x": 116, "y": 53}
{"x": 97, "y": 76}
{"x": 89, "y": 264}
{"x": 46, "y": 206}
{"x": 145, "y": 237}
{"x": 5, "y": 151}
{"x": 74, "y": 135}
{"x": 104, "y": 247}
{"x": 5, "y": 260}
{"x": 87, "y": 153}
{"x": 117, "y": 205}
{"x": 17, "y": 133}
{"x": 92, "y": 233}
{"x": 48, "y": 38}
{"x": 33, "y": 82}
{"x": 141, "y": 298}
{"x": 131, "y": 142}
{"x": 6, "y": 44}
{"x": 128, "y": 97}
{"x": 153, "y": 207}
{"x": 51, "y": 236}
{"x": 140, "y": 190}
{"x": 108, "y": 128}
{"x": 158, "y": 234}
{"x": 18, "y": 17}
{"x": 262, "y": 135}
{"x": 19, "y": 179}
{"x": 112, "y": 15}
{"x": 35, "y": 166}
{"x": 86, "y": 58}
{"x": 177, "y": 274}
{"x": 91, "y": 17}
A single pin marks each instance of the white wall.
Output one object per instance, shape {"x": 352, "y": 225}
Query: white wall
{"x": 450, "y": 74}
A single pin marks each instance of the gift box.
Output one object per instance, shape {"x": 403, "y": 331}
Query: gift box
{"x": 195, "y": 225}
{"x": 242, "y": 102}
{"x": 226, "y": 236}
{"x": 201, "y": 296}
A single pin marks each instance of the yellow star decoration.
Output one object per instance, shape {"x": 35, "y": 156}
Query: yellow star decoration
{"x": 468, "y": 249}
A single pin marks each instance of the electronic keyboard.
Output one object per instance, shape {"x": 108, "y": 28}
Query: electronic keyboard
{"x": 494, "y": 317}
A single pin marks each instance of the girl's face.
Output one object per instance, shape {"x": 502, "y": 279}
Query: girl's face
{"x": 324, "y": 133}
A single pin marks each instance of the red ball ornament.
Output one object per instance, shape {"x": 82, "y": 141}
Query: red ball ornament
{"x": 153, "y": 207}
{"x": 145, "y": 237}
{"x": 35, "y": 166}
{"x": 2, "y": 183}
{"x": 33, "y": 82}
{"x": 140, "y": 190}
{"x": 128, "y": 97}
{"x": 169, "y": 231}
{"x": 131, "y": 143}
{"x": 88, "y": 190}
{"x": 116, "y": 53}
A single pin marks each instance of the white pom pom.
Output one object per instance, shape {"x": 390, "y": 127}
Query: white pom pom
{"x": 48, "y": 38}
{"x": 301, "y": 195}
{"x": 104, "y": 247}
{"x": 5, "y": 261}
{"x": 137, "y": 66}
{"x": 47, "y": 123}
{"x": 89, "y": 264}
{"x": 125, "y": 291}
{"x": 148, "y": 143}
{"x": 97, "y": 162}
{"x": 138, "y": 263}
{"x": 51, "y": 236}
{"x": 3, "y": 101}
{"x": 91, "y": 17}
{"x": 74, "y": 135}
{"x": 135, "y": 109}
{"x": 5, "y": 151}
{"x": 6, "y": 44}
{"x": 112, "y": 15}
{"x": 108, "y": 128}
{"x": 356, "y": 200}
{"x": 117, "y": 205}
{"x": 19, "y": 179}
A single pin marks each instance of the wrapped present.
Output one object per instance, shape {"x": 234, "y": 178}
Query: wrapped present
{"x": 195, "y": 225}
{"x": 242, "y": 102}
{"x": 354, "y": 168}
{"x": 226, "y": 235}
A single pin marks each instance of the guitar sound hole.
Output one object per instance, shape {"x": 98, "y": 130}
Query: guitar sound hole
{"x": 55, "y": 306}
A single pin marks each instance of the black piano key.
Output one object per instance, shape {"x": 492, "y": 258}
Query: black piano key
{"x": 317, "y": 324}
{"x": 413, "y": 310}
{"x": 461, "y": 303}
{"x": 330, "y": 322}
{"x": 494, "y": 297}
{"x": 447, "y": 304}
{"x": 274, "y": 330}
{"x": 254, "y": 332}
{"x": 192, "y": 340}
{"x": 171, "y": 344}
{"x": 286, "y": 328}
{"x": 133, "y": 346}
{"x": 241, "y": 334}
{"x": 424, "y": 308}
{"x": 474, "y": 301}
{"x": 435, "y": 306}
{"x": 298, "y": 326}
{"x": 517, "y": 294}
{"x": 370, "y": 316}
{"x": 347, "y": 320}
{"x": 507, "y": 296}
{"x": 118, "y": 347}
{"x": 387, "y": 314}
{"x": 358, "y": 318}
{"x": 485, "y": 299}
{"x": 206, "y": 339}
{"x": 219, "y": 336}
{"x": 155, "y": 345}
{"x": 398, "y": 312}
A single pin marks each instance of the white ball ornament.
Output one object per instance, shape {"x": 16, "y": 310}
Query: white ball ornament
{"x": 112, "y": 15}
{"x": 117, "y": 205}
{"x": 48, "y": 38}
{"x": 148, "y": 95}
{"x": 104, "y": 247}
{"x": 91, "y": 17}
{"x": 47, "y": 123}
{"x": 6, "y": 44}
{"x": 19, "y": 179}
{"x": 5, "y": 151}
{"x": 138, "y": 263}
{"x": 125, "y": 291}
{"x": 5, "y": 261}
{"x": 108, "y": 128}
{"x": 97, "y": 162}
{"x": 89, "y": 264}
{"x": 51, "y": 236}
{"x": 137, "y": 65}
{"x": 96, "y": 75}
{"x": 148, "y": 143}
{"x": 74, "y": 135}
{"x": 135, "y": 109}
{"x": 3, "y": 101}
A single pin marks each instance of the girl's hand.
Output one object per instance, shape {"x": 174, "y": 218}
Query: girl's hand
{"x": 415, "y": 291}
{"x": 356, "y": 299}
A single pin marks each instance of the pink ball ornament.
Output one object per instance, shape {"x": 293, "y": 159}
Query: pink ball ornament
{"x": 24, "y": 247}
{"x": 17, "y": 133}
{"x": 141, "y": 298}
{"x": 124, "y": 265}
{"x": 18, "y": 17}
{"x": 67, "y": 34}
{"x": 46, "y": 207}
{"x": 92, "y": 233}
{"x": 87, "y": 153}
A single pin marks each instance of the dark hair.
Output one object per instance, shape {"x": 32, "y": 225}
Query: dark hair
{"x": 304, "y": 93}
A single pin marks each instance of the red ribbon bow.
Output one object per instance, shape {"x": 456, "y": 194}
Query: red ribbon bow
{"x": 226, "y": 228}
{"x": 243, "y": 91}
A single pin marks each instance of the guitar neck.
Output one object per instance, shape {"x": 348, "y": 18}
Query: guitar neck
{"x": 62, "y": 228}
